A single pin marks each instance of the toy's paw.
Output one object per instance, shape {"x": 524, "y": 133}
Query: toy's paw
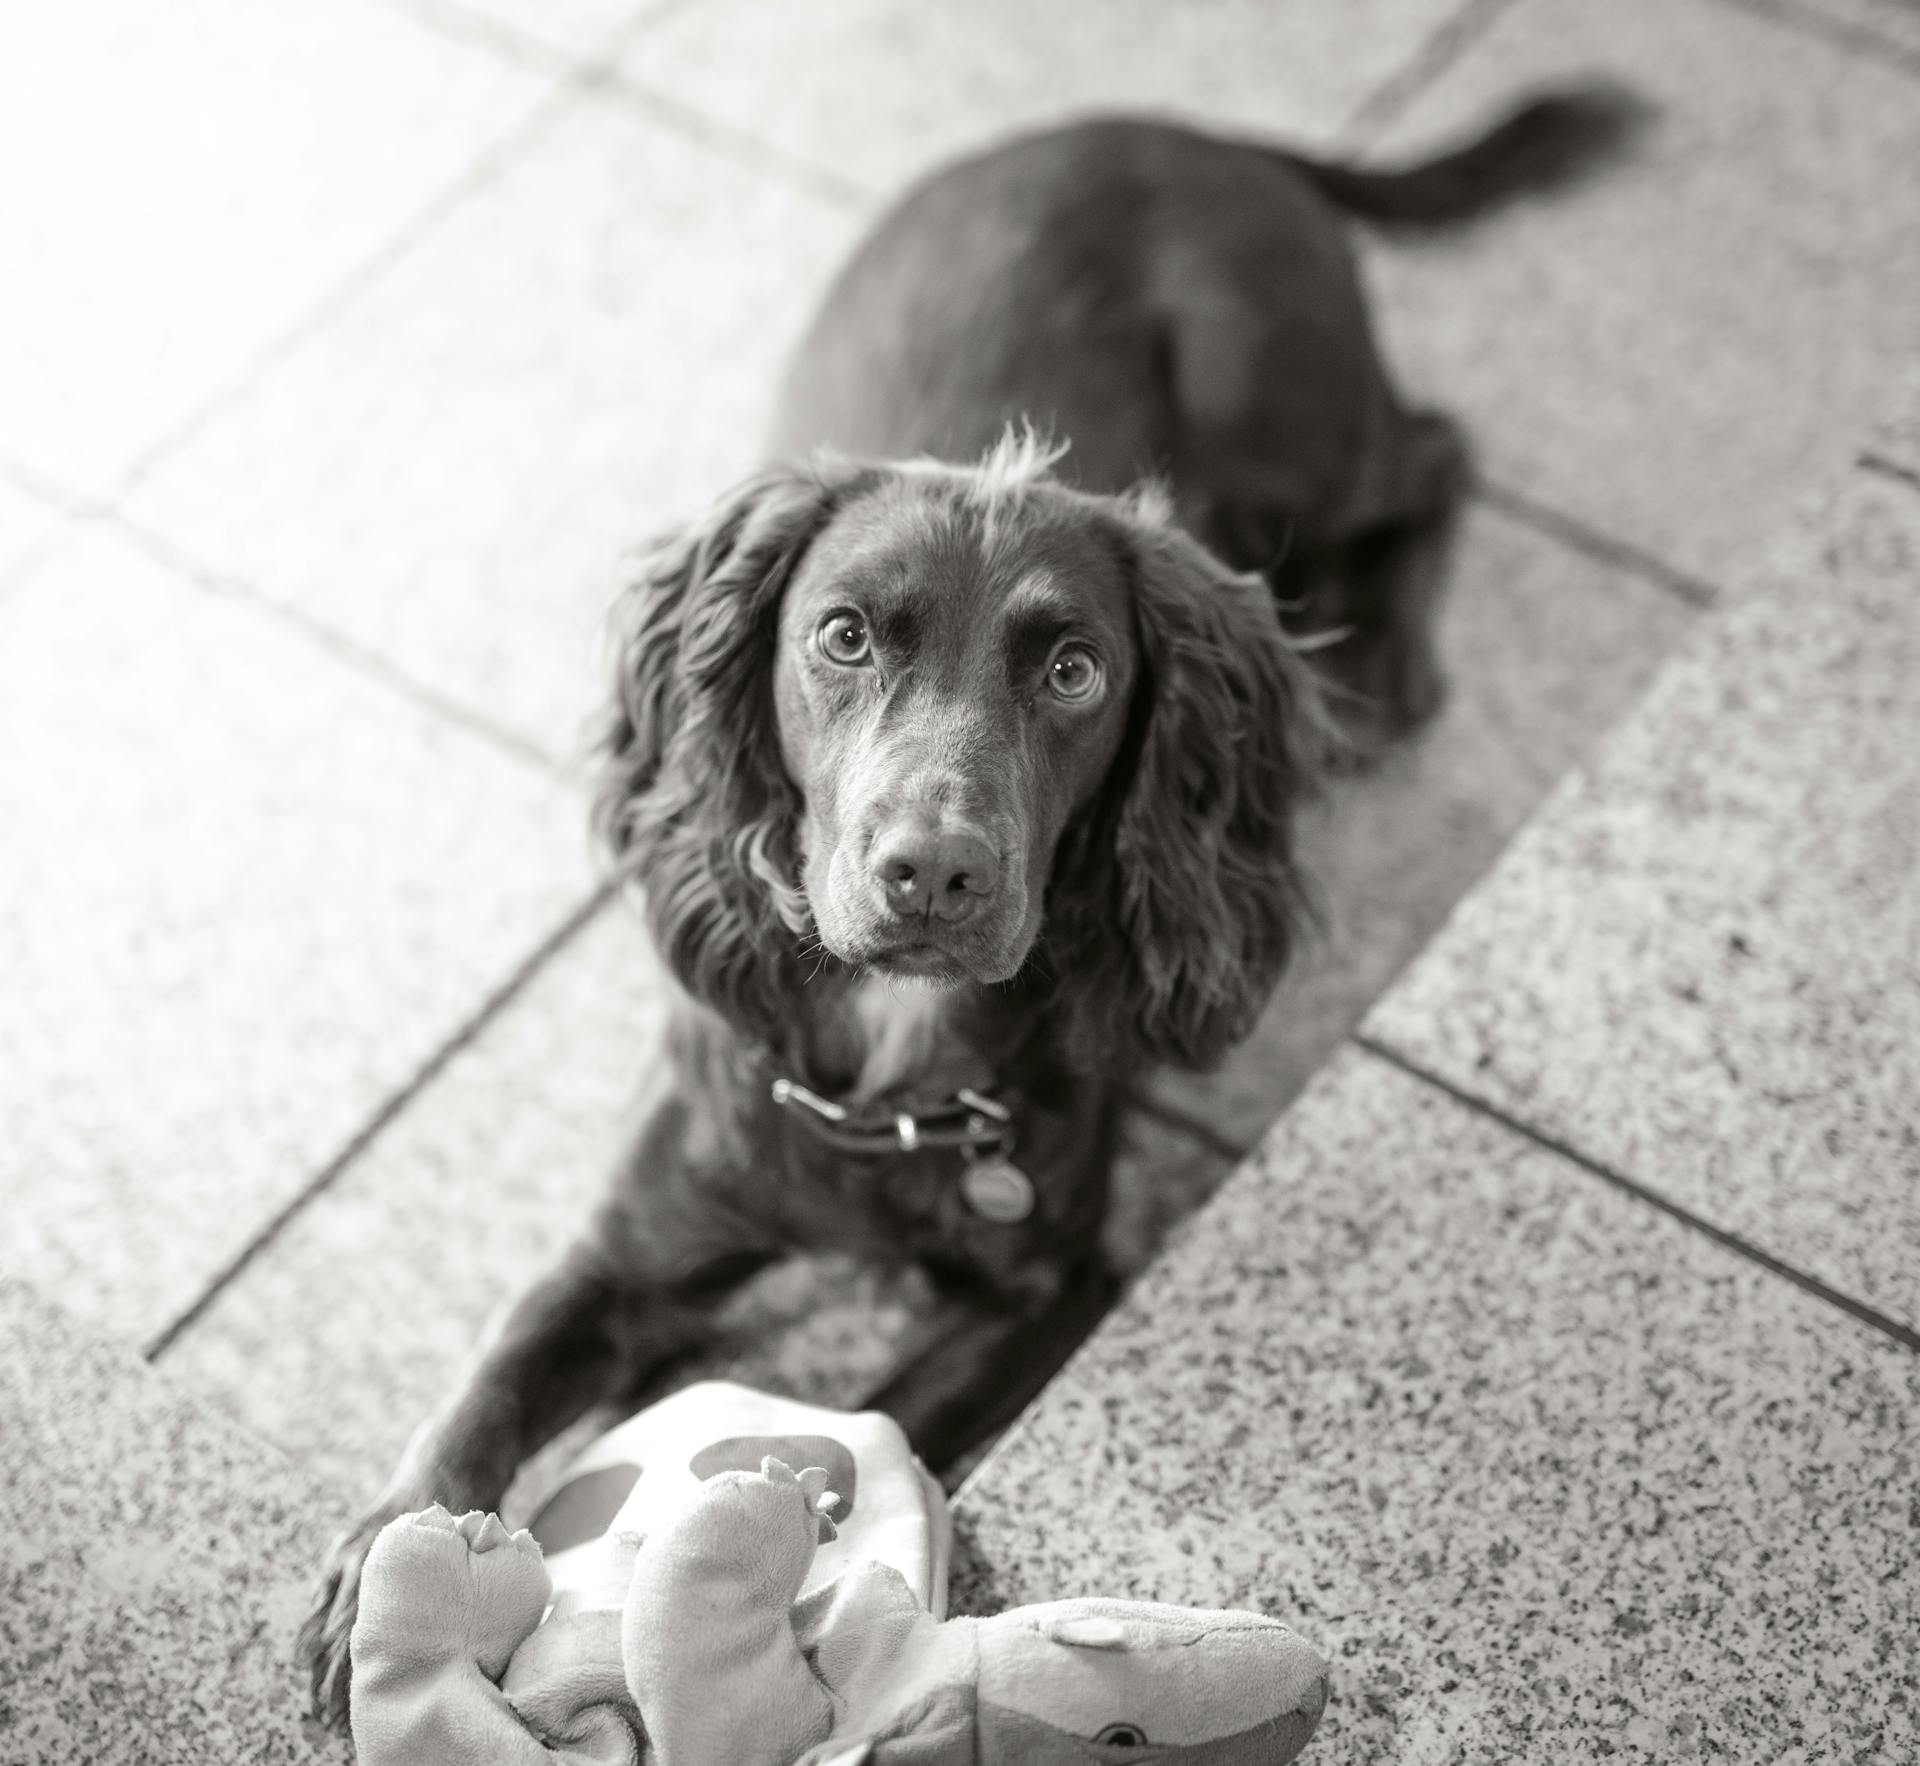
{"x": 451, "y": 1586}
{"x": 462, "y": 1581}
{"x": 812, "y": 1485}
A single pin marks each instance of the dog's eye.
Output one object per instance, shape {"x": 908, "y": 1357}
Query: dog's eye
{"x": 843, "y": 639}
{"x": 1074, "y": 673}
{"x": 1122, "y": 1735}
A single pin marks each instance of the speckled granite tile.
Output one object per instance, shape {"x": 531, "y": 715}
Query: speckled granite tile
{"x": 1544, "y": 648}
{"x": 247, "y": 891}
{"x": 451, "y": 472}
{"x": 1549, "y": 1476}
{"x": 187, "y": 182}
{"x": 1673, "y": 351}
{"x": 893, "y": 86}
{"x": 1702, "y": 964}
{"x": 147, "y": 1600}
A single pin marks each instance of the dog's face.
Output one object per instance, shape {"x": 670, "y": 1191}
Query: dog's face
{"x": 950, "y": 691}
{"x": 962, "y": 724}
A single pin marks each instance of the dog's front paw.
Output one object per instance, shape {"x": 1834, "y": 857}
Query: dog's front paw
{"x": 324, "y": 1636}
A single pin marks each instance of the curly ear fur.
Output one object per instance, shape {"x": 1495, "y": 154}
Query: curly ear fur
{"x": 1179, "y": 903}
{"x": 693, "y": 801}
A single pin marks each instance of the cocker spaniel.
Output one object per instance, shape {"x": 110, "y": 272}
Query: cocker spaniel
{"x": 959, "y": 775}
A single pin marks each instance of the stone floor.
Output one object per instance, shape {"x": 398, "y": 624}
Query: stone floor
{"x": 349, "y": 346}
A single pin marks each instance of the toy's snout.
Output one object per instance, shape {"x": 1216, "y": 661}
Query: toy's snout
{"x": 1118, "y": 1680}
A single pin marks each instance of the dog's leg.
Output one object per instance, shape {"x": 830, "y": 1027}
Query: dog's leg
{"x": 638, "y": 1290}
{"x": 1397, "y": 574}
{"x": 1387, "y": 587}
{"x": 989, "y": 1361}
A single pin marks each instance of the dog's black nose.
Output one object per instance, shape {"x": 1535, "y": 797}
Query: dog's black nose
{"x": 931, "y": 870}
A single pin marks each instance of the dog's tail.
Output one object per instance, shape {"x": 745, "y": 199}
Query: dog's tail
{"x": 1550, "y": 140}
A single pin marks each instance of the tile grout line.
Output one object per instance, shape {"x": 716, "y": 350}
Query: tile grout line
{"x": 369, "y": 664}
{"x": 389, "y": 1109}
{"x": 456, "y": 24}
{"x": 1858, "y": 40}
{"x": 461, "y": 24}
{"x": 31, "y": 483}
{"x": 1882, "y": 466}
{"x": 752, "y": 152}
{"x": 572, "y": 80}
{"x": 1173, "y": 1117}
{"x": 602, "y": 70}
{"x": 1905, "y": 1335}
{"x": 1590, "y": 542}
{"x": 415, "y": 231}
{"x": 1452, "y": 39}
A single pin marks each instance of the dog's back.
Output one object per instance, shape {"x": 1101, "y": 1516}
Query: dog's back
{"x": 1168, "y": 301}
{"x": 1049, "y": 280}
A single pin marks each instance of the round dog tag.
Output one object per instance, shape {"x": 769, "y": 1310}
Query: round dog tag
{"x": 997, "y": 1190}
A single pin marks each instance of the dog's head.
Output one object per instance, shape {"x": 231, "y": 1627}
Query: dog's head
{"x": 960, "y": 724}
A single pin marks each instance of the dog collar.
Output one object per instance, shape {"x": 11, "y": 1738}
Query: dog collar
{"x": 979, "y": 1127}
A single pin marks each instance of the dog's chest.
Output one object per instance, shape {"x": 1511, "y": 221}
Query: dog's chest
{"x": 907, "y": 1045}
{"x": 1004, "y": 1212}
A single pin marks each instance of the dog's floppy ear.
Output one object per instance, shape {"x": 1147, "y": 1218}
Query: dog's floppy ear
{"x": 1181, "y": 902}
{"x": 693, "y": 801}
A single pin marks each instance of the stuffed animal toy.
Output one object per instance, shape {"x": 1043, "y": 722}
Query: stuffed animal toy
{"x": 699, "y": 1633}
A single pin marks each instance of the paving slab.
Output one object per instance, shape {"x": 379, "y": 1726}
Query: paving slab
{"x": 187, "y": 182}
{"x": 1676, "y": 351}
{"x": 451, "y": 472}
{"x": 248, "y": 891}
{"x": 1548, "y": 1475}
{"x": 346, "y": 1329}
{"x": 1701, "y": 965}
{"x": 1544, "y": 647}
{"x": 148, "y": 1599}
{"x": 892, "y": 86}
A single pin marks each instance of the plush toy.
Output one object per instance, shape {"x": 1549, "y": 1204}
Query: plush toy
{"x": 699, "y": 1633}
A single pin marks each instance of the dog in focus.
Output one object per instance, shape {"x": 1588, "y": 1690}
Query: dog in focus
{"x": 959, "y": 773}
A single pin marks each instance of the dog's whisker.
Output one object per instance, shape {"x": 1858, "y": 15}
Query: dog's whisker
{"x": 1307, "y": 643}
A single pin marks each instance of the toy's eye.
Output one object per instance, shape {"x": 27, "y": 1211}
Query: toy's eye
{"x": 1074, "y": 674}
{"x": 1122, "y": 1735}
{"x": 842, "y": 637}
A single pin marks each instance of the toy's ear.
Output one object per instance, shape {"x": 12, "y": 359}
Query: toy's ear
{"x": 1088, "y": 1631}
